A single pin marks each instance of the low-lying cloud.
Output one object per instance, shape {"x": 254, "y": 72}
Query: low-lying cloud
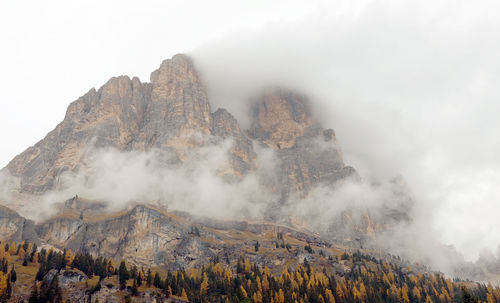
{"x": 411, "y": 89}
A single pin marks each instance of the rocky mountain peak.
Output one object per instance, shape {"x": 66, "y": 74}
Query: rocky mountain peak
{"x": 279, "y": 117}
{"x": 179, "y": 103}
{"x": 172, "y": 113}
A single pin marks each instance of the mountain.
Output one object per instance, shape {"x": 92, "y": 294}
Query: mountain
{"x": 172, "y": 114}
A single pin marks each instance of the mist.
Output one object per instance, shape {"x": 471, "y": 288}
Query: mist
{"x": 409, "y": 87}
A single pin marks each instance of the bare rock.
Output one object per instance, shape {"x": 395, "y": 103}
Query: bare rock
{"x": 308, "y": 154}
{"x": 15, "y": 228}
{"x": 241, "y": 155}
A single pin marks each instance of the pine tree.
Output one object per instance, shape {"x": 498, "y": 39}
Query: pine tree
{"x": 149, "y": 277}
{"x": 13, "y": 275}
{"x": 34, "y": 295}
{"x": 122, "y": 274}
{"x": 157, "y": 280}
{"x": 134, "y": 288}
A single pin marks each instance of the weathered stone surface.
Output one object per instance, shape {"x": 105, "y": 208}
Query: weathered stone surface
{"x": 106, "y": 118}
{"x": 172, "y": 112}
{"x": 241, "y": 154}
{"x": 178, "y": 112}
{"x": 308, "y": 154}
{"x": 280, "y": 117}
{"x": 15, "y": 228}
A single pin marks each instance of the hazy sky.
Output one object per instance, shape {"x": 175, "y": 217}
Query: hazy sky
{"x": 411, "y": 87}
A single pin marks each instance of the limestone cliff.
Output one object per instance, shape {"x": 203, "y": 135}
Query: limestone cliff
{"x": 15, "y": 228}
{"x": 171, "y": 113}
{"x": 308, "y": 154}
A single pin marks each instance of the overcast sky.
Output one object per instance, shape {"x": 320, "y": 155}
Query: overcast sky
{"x": 411, "y": 87}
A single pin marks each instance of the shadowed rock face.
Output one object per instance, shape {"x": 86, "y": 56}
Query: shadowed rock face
{"x": 307, "y": 153}
{"x": 241, "y": 155}
{"x": 15, "y": 228}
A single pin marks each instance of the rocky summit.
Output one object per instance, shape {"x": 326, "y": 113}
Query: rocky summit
{"x": 172, "y": 113}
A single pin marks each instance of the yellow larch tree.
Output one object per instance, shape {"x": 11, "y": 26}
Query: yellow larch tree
{"x": 247, "y": 266}
{"x": 3, "y": 282}
{"x": 21, "y": 253}
{"x": 490, "y": 298}
{"x": 257, "y": 297}
{"x": 243, "y": 292}
{"x": 416, "y": 293}
{"x": 404, "y": 294}
{"x": 184, "y": 295}
{"x": 339, "y": 292}
{"x": 265, "y": 283}
{"x": 69, "y": 257}
{"x": 204, "y": 285}
{"x": 12, "y": 249}
{"x": 228, "y": 274}
{"x": 329, "y": 296}
{"x": 281, "y": 296}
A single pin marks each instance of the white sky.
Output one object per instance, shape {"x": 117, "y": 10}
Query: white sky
{"x": 411, "y": 87}
{"x": 52, "y": 52}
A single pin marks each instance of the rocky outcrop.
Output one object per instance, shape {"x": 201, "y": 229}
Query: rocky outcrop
{"x": 178, "y": 113}
{"x": 241, "y": 154}
{"x": 147, "y": 236}
{"x": 308, "y": 154}
{"x": 280, "y": 117}
{"x": 15, "y": 228}
{"x": 144, "y": 235}
{"x": 108, "y": 117}
{"x": 172, "y": 112}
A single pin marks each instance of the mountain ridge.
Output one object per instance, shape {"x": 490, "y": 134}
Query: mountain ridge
{"x": 173, "y": 113}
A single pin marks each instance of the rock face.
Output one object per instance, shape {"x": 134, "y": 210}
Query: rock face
{"x": 173, "y": 113}
{"x": 280, "y": 117}
{"x": 148, "y": 236}
{"x": 15, "y": 228}
{"x": 108, "y": 117}
{"x": 241, "y": 155}
{"x": 143, "y": 234}
{"x": 307, "y": 153}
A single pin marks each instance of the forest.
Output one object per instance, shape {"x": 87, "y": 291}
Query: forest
{"x": 370, "y": 280}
